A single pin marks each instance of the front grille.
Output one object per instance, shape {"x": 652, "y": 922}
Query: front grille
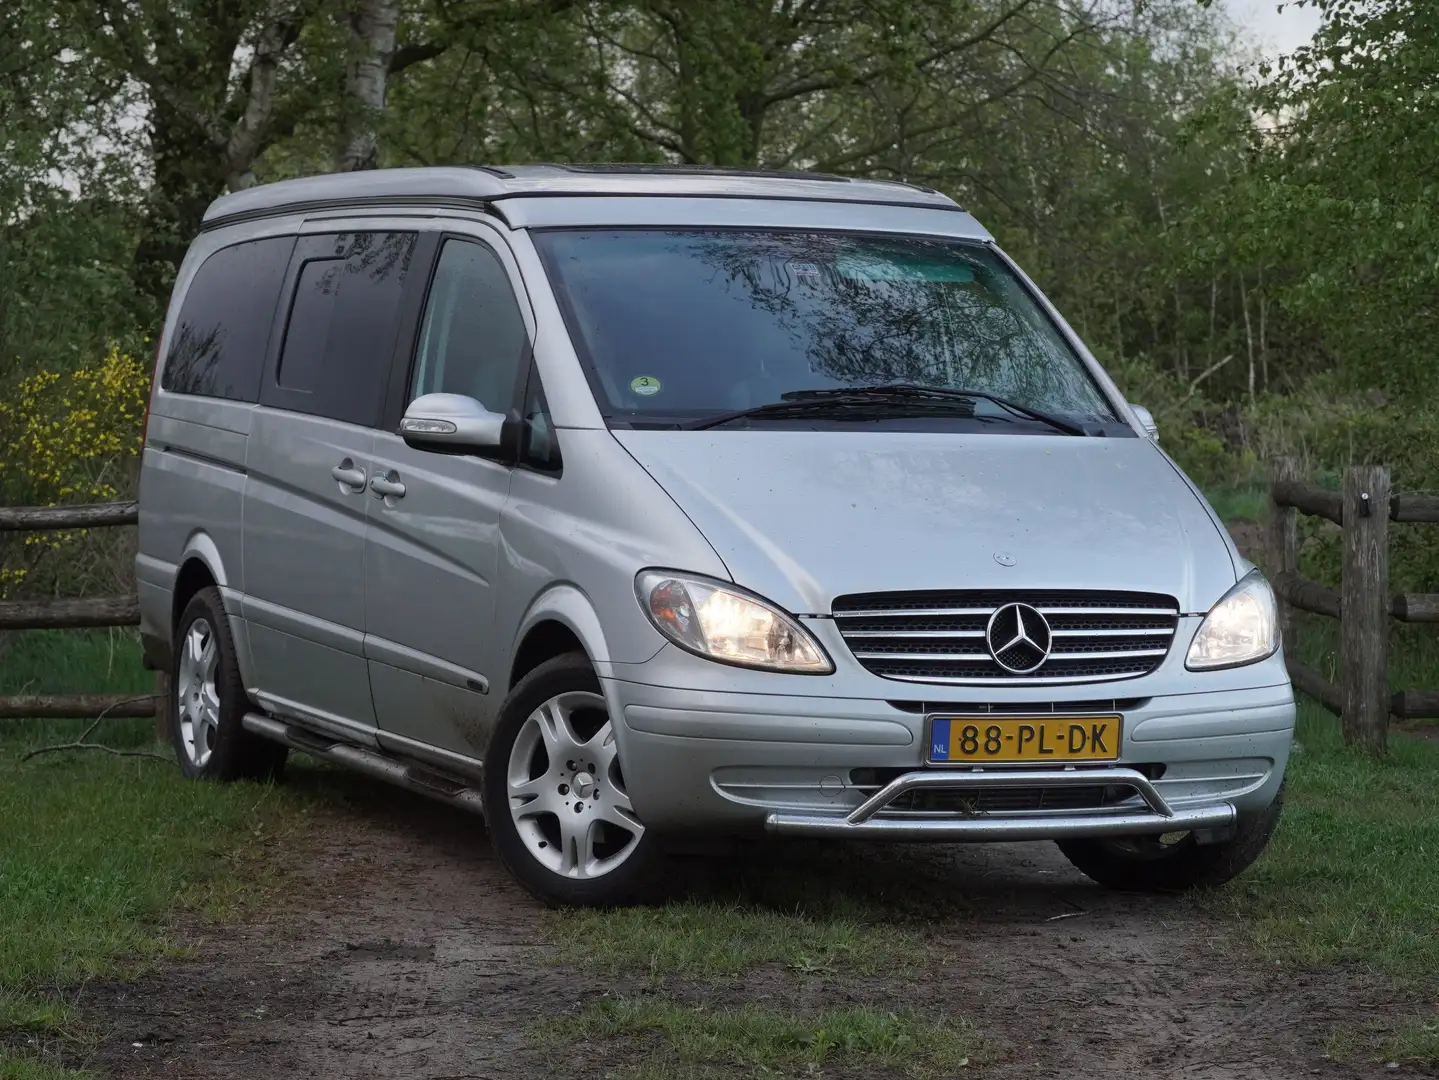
{"x": 939, "y": 637}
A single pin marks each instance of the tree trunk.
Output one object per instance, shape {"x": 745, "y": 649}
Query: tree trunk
{"x": 188, "y": 174}
{"x": 372, "y": 41}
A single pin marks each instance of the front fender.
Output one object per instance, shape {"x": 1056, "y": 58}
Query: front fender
{"x": 571, "y": 608}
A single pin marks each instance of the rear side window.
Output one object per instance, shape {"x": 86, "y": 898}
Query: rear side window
{"x": 343, "y": 320}
{"x": 219, "y": 342}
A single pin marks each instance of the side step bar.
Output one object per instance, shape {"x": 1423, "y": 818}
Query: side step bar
{"x": 412, "y": 777}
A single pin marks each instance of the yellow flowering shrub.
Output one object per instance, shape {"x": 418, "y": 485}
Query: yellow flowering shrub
{"x": 67, "y": 437}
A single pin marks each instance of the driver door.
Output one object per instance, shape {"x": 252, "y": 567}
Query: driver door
{"x": 433, "y": 544}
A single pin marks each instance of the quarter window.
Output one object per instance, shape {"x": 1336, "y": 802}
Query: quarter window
{"x": 539, "y": 446}
{"x": 472, "y": 339}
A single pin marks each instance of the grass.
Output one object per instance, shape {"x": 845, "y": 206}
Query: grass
{"x": 97, "y": 853}
{"x": 679, "y": 1040}
{"x": 698, "y": 939}
{"x": 1416, "y": 1042}
{"x": 13, "y": 1066}
{"x": 1413, "y": 1042}
{"x": 1352, "y": 876}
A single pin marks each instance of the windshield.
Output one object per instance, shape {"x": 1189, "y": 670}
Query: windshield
{"x": 675, "y": 325}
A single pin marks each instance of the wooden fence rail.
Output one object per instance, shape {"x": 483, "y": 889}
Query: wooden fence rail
{"x": 1364, "y": 509}
{"x": 75, "y": 614}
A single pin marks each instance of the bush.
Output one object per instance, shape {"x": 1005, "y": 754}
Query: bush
{"x": 1323, "y": 426}
{"x": 68, "y": 437}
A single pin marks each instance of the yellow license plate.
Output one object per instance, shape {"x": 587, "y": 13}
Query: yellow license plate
{"x": 1023, "y": 738}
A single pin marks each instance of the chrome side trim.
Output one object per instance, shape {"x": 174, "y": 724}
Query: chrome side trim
{"x": 384, "y": 651}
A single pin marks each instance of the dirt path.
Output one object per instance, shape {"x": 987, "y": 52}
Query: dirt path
{"x": 404, "y": 950}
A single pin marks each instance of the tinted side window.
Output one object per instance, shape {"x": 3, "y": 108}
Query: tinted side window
{"x": 222, "y": 333}
{"x": 472, "y": 339}
{"x": 344, "y": 315}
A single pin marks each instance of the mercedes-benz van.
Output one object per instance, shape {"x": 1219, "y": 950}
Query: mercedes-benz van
{"x": 631, "y": 505}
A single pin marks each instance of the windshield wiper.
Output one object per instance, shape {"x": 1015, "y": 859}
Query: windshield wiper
{"x": 915, "y": 392}
{"x": 830, "y": 404}
{"x": 800, "y": 403}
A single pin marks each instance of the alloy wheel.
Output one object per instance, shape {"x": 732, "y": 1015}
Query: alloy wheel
{"x": 565, "y": 789}
{"x": 196, "y": 692}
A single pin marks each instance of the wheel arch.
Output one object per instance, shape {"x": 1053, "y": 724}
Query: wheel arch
{"x": 560, "y": 620}
{"x": 200, "y": 566}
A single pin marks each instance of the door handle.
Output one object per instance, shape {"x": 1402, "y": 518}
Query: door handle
{"x": 387, "y": 486}
{"x": 349, "y": 475}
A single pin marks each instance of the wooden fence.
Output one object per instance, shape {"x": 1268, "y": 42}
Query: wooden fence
{"x": 1363, "y": 509}
{"x": 1363, "y": 605}
{"x": 75, "y": 614}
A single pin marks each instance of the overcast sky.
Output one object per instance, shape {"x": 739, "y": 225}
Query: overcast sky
{"x": 1274, "y": 30}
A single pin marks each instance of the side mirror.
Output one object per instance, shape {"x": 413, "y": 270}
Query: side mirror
{"x": 451, "y": 422}
{"x": 1146, "y": 421}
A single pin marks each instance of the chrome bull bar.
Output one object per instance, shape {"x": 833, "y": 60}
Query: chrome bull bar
{"x": 869, "y": 819}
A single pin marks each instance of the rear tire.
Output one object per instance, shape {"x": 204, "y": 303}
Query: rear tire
{"x": 555, "y": 800}
{"x": 208, "y": 702}
{"x": 1147, "y": 864}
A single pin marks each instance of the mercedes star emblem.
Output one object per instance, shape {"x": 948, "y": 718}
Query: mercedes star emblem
{"x": 1018, "y": 637}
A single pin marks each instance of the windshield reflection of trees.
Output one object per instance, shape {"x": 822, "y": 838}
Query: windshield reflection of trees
{"x": 901, "y": 311}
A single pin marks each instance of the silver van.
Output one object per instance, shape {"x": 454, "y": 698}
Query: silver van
{"x": 629, "y": 506}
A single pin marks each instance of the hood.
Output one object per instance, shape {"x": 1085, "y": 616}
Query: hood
{"x": 801, "y": 517}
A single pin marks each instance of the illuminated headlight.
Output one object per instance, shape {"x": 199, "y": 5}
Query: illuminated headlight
{"x": 722, "y": 623}
{"x": 1242, "y": 628}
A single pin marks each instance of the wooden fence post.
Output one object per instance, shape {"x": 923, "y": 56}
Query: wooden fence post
{"x": 1283, "y": 545}
{"x": 1364, "y": 627}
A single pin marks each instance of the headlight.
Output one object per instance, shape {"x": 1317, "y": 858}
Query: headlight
{"x": 1241, "y": 629}
{"x": 723, "y": 623}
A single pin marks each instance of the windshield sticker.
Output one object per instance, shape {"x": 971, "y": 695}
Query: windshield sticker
{"x": 645, "y": 386}
{"x": 804, "y": 269}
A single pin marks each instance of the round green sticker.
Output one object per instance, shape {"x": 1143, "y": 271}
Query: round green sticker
{"x": 645, "y": 386}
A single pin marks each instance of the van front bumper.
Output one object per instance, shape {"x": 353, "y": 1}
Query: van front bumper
{"x": 713, "y": 761}
{"x": 873, "y": 819}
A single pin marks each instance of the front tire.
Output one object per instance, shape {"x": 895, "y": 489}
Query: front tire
{"x": 555, "y": 800}
{"x": 208, "y": 702}
{"x": 1174, "y": 863}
